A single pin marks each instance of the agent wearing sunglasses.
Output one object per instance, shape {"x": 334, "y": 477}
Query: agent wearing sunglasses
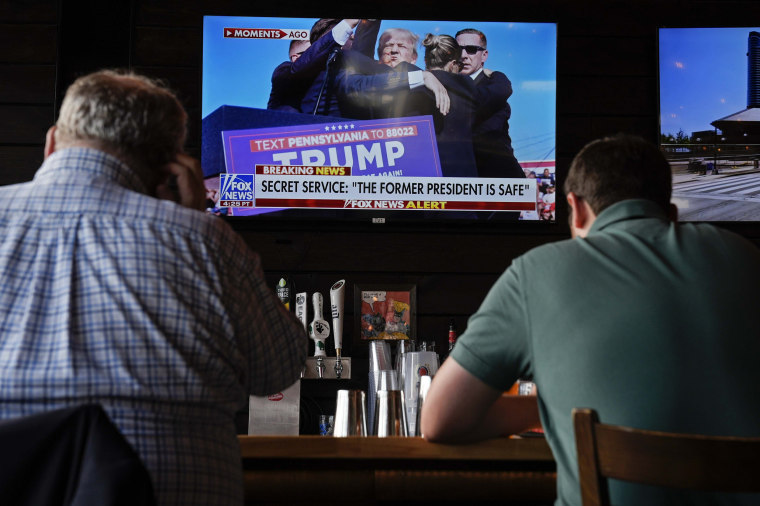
{"x": 493, "y": 147}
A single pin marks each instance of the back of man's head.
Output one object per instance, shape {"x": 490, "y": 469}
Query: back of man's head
{"x": 125, "y": 114}
{"x": 612, "y": 169}
{"x": 321, "y": 27}
{"x": 473, "y": 31}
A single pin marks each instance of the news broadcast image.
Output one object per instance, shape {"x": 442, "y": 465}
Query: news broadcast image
{"x": 260, "y": 160}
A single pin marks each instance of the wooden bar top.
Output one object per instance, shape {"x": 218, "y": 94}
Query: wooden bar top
{"x": 403, "y": 448}
{"x": 298, "y": 470}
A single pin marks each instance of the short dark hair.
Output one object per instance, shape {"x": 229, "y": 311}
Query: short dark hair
{"x": 617, "y": 168}
{"x": 321, "y": 27}
{"x": 473, "y": 31}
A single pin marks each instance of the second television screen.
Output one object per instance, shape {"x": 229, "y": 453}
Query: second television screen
{"x": 710, "y": 120}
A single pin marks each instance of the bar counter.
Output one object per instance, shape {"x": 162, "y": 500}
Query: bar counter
{"x": 312, "y": 470}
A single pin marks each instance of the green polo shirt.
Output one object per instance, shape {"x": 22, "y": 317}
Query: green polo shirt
{"x": 653, "y": 324}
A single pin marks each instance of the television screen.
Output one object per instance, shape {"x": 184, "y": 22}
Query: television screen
{"x": 397, "y": 120}
{"x": 710, "y": 120}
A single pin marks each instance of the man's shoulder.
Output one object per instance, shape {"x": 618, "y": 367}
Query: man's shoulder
{"x": 282, "y": 68}
{"x": 494, "y": 77}
{"x": 450, "y": 79}
{"x": 677, "y": 241}
{"x": 553, "y": 253}
{"x": 711, "y": 236}
{"x": 202, "y": 235}
{"x": 194, "y": 223}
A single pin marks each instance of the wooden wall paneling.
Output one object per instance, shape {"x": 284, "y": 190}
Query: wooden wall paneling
{"x": 576, "y": 132}
{"x": 169, "y": 12}
{"x": 28, "y": 56}
{"x": 185, "y": 82}
{"x": 709, "y": 13}
{"x": 580, "y": 130}
{"x": 397, "y": 252}
{"x": 28, "y": 43}
{"x": 605, "y": 18}
{"x": 453, "y": 293}
{"x": 168, "y": 46}
{"x": 645, "y": 126}
{"x": 174, "y": 54}
{"x": 94, "y": 35}
{"x": 192, "y": 145}
{"x": 25, "y": 124}
{"x": 27, "y": 84}
{"x": 606, "y": 56}
{"x": 19, "y": 163}
{"x": 190, "y": 13}
{"x": 609, "y": 95}
{"x": 29, "y": 11}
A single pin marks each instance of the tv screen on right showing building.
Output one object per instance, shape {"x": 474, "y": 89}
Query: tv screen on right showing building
{"x": 710, "y": 120}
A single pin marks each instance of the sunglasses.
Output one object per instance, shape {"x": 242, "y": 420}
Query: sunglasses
{"x": 473, "y": 49}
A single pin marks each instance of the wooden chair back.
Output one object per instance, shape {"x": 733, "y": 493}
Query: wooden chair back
{"x": 688, "y": 461}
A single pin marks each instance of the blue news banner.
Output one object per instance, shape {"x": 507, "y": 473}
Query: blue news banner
{"x": 325, "y": 166}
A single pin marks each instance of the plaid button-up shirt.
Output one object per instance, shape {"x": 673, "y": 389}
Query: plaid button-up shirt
{"x": 157, "y": 312}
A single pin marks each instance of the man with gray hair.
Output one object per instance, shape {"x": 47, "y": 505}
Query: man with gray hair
{"x": 116, "y": 289}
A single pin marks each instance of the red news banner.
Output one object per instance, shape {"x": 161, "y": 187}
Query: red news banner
{"x": 304, "y": 186}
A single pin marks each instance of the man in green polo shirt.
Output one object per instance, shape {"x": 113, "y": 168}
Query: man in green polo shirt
{"x": 650, "y": 322}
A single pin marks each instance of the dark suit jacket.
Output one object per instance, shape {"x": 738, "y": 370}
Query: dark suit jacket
{"x": 493, "y": 147}
{"x": 292, "y": 80}
{"x": 454, "y": 131}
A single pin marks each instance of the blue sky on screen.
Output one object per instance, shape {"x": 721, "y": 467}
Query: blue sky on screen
{"x": 238, "y": 71}
{"x": 703, "y": 76}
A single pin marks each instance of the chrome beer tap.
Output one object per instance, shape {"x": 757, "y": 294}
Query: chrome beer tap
{"x": 337, "y": 294}
{"x": 319, "y": 330}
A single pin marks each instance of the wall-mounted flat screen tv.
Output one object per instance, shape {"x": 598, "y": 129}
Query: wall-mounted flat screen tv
{"x": 710, "y": 120}
{"x": 378, "y": 121}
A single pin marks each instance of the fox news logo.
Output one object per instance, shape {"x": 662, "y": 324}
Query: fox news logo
{"x": 236, "y": 190}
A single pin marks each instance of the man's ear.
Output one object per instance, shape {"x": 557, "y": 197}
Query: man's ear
{"x": 50, "y": 141}
{"x": 581, "y": 216}
{"x": 673, "y": 213}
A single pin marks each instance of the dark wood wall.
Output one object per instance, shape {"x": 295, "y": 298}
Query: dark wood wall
{"x": 606, "y": 83}
{"x": 28, "y": 65}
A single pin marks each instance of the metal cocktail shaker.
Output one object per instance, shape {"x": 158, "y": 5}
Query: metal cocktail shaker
{"x": 350, "y": 414}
